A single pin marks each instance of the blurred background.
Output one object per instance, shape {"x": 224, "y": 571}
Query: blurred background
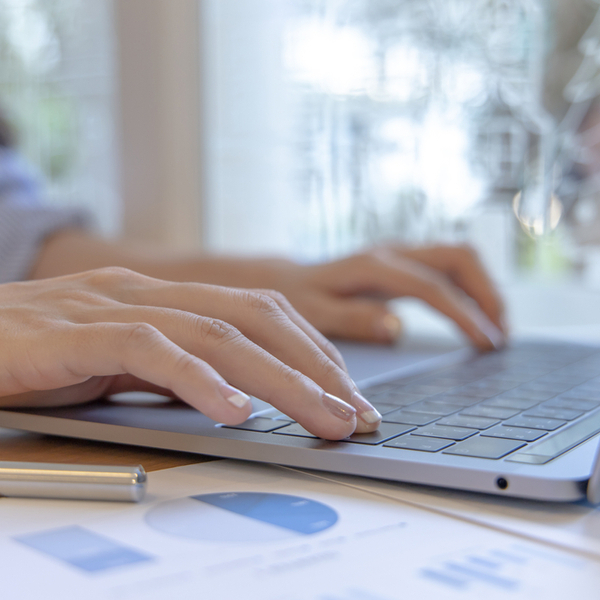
{"x": 316, "y": 127}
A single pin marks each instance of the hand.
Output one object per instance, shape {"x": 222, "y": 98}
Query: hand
{"x": 75, "y": 338}
{"x": 348, "y": 298}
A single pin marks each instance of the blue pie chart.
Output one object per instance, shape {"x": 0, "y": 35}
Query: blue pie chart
{"x": 241, "y": 517}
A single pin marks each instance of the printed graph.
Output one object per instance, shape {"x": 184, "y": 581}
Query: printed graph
{"x": 241, "y": 517}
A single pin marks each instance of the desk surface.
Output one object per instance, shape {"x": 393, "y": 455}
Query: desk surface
{"x": 17, "y": 446}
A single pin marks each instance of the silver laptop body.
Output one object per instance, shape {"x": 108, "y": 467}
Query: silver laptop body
{"x": 523, "y": 422}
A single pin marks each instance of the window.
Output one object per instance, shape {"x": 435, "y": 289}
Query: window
{"x": 57, "y": 82}
{"x": 336, "y": 123}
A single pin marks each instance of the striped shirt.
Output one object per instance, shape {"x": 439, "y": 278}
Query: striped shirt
{"x": 24, "y": 221}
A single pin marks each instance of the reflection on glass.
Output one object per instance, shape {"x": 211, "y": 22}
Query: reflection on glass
{"x": 411, "y": 114}
{"x": 435, "y": 121}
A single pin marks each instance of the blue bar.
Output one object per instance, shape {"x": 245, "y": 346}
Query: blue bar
{"x": 83, "y": 549}
{"x": 483, "y": 576}
{"x": 484, "y": 562}
{"x": 442, "y": 577}
{"x": 509, "y": 556}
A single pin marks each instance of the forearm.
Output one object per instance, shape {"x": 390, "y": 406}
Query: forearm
{"x": 74, "y": 251}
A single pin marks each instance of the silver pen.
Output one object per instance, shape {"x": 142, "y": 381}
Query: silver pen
{"x": 73, "y": 482}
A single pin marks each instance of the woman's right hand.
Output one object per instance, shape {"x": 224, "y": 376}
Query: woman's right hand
{"x": 72, "y": 339}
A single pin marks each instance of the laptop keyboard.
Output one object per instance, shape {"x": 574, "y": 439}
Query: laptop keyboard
{"x": 529, "y": 403}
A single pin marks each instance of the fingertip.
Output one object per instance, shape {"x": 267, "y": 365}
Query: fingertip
{"x": 368, "y": 417}
{"x": 367, "y": 427}
{"x": 236, "y": 408}
{"x": 387, "y": 328}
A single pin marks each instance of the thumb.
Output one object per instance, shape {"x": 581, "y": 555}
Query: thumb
{"x": 358, "y": 319}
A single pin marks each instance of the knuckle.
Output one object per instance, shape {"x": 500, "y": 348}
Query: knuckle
{"x": 136, "y": 334}
{"x": 276, "y": 296}
{"x": 111, "y": 276}
{"x": 262, "y": 302}
{"x": 210, "y": 330}
{"x": 288, "y": 376}
{"x": 325, "y": 366}
{"x": 331, "y": 350}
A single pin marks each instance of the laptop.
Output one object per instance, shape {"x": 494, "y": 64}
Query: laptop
{"x": 522, "y": 422}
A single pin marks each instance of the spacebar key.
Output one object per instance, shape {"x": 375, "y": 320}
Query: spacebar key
{"x": 558, "y": 443}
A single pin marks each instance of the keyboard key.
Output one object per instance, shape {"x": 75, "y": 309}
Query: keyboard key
{"x": 463, "y": 420}
{"x": 492, "y": 412}
{"x": 446, "y": 382}
{"x": 515, "y": 433}
{"x": 383, "y": 408}
{"x": 573, "y": 403}
{"x": 520, "y": 376}
{"x": 454, "y": 400}
{"x": 580, "y": 394}
{"x": 258, "y": 424}
{"x": 480, "y": 393}
{"x": 429, "y": 390}
{"x": 386, "y": 431}
{"x": 485, "y": 447}
{"x": 540, "y": 386}
{"x": 564, "y": 414}
{"x": 296, "y": 430}
{"x": 435, "y": 408}
{"x": 558, "y": 443}
{"x": 275, "y": 415}
{"x": 399, "y": 398}
{"x": 409, "y": 418}
{"x": 375, "y": 390}
{"x": 518, "y": 403}
{"x": 446, "y": 432}
{"x": 521, "y": 394}
{"x": 561, "y": 378}
{"x": 535, "y": 423}
{"x": 423, "y": 444}
{"x": 492, "y": 383}
{"x": 589, "y": 386}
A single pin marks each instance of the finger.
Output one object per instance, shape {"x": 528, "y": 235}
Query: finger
{"x": 291, "y": 373}
{"x": 404, "y": 277}
{"x": 312, "y": 332}
{"x": 355, "y": 318}
{"x": 183, "y": 367}
{"x": 266, "y": 323}
{"x": 143, "y": 351}
{"x": 263, "y": 320}
{"x": 130, "y": 287}
{"x": 258, "y": 316}
{"x": 463, "y": 266}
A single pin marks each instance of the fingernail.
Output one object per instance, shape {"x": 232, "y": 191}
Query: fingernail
{"x": 234, "y": 396}
{"x": 366, "y": 411}
{"x": 338, "y": 408}
{"x": 493, "y": 335}
{"x": 388, "y": 328}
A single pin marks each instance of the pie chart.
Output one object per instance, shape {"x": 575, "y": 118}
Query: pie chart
{"x": 241, "y": 517}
